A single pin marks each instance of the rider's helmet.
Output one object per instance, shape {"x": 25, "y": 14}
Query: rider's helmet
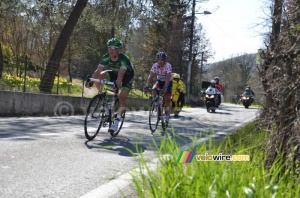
{"x": 213, "y": 83}
{"x": 115, "y": 43}
{"x": 161, "y": 55}
{"x": 217, "y": 79}
{"x": 176, "y": 76}
{"x": 247, "y": 87}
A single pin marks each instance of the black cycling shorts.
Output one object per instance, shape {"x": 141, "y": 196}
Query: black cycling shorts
{"x": 126, "y": 82}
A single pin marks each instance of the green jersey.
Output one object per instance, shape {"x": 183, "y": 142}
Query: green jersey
{"x": 122, "y": 62}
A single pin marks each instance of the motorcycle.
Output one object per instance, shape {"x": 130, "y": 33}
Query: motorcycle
{"x": 211, "y": 99}
{"x": 246, "y": 100}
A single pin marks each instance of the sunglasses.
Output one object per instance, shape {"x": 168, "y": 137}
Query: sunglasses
{"x": 160, "y": 59}
{"x": 112, "y": 47}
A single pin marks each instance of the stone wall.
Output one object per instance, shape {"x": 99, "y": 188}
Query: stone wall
{"x": 36, "y": 104}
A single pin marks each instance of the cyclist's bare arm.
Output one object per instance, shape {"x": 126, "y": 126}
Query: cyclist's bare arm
{"x": 150, "y": 77}
{"x": 168, "y": 77}
{"x": 97, "y": 74}
{"x": 149, "y": 80}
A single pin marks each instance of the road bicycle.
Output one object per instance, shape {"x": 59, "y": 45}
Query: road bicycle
{"x": 101, "y": 113}
{"x": 157, "y": 110}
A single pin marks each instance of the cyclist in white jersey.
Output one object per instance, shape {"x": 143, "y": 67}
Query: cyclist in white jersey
{"x": 162, "y": 70}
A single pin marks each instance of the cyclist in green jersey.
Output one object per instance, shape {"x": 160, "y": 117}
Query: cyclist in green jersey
{"x": 120, "y": 70}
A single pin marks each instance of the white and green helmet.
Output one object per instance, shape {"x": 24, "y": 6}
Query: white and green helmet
{"x": 115, "y": 42}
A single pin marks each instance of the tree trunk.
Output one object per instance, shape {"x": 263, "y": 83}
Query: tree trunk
{"x": 266, "y": 75}
{"x": 285, "y": 87}
{"x": 1, "y": 61}
{"x": 69, "y": 71}
{"x": 268, "y": 56}
{"x": 47, "y": 80}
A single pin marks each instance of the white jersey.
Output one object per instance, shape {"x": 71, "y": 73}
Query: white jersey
{"x": 161, "y": 75}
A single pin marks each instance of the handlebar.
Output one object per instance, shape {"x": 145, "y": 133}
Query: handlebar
{"x": 158, "y": 90}
{"x": 105, "y": 82}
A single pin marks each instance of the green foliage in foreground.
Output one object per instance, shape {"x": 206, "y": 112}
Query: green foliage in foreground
{"x": 217, "y": 178}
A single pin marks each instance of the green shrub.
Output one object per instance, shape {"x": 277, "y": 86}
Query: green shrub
{"x": 65, "y": 87}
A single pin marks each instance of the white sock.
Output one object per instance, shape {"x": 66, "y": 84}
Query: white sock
{"x": 119, "y": 118}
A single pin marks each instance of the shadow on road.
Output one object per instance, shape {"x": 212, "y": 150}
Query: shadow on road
{"x": 223, "y": 113}
{"x": 122, "y": 145}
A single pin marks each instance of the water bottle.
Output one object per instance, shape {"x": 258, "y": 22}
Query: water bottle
{"x": 108, "y": 103}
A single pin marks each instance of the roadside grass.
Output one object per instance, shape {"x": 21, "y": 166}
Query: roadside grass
{"x": 135, "y": 93}
{"x": 217, "y": 178}
{"x": 257, "y": 105}
{"x": 252, "y": 105}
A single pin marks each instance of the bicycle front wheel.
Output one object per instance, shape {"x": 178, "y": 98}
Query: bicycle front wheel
{"x": 94, "y": 118}
{"x": 154, "y": 116}
{"x": 115, "y": 112}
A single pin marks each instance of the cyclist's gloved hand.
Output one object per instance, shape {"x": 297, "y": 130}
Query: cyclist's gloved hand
{"x": 145, "y": 88}
{"x": 88, "y": 82}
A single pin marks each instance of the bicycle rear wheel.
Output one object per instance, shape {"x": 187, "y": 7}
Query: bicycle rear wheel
{"x": 94, "y": 118}
{"x": 115, "y": 112}
{"x": 154, "y": 116}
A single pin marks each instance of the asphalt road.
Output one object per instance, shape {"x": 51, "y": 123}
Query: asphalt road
{"x": 50, "y": 156}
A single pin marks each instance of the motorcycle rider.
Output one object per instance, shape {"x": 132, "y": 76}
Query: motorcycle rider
{"x": 212, "y": 89}
{"x": 212, "y": 84}
{"x": 250, "y": 92}
{"x": 220, "y": 87}
{"x": 218, "y": 84}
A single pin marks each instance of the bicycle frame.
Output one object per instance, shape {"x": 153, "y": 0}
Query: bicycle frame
{"x": 105, "y": 96}
{"x": 157, "y": 105}
{"x": 158, "y": 98}
{"x": 104, "y": 112}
